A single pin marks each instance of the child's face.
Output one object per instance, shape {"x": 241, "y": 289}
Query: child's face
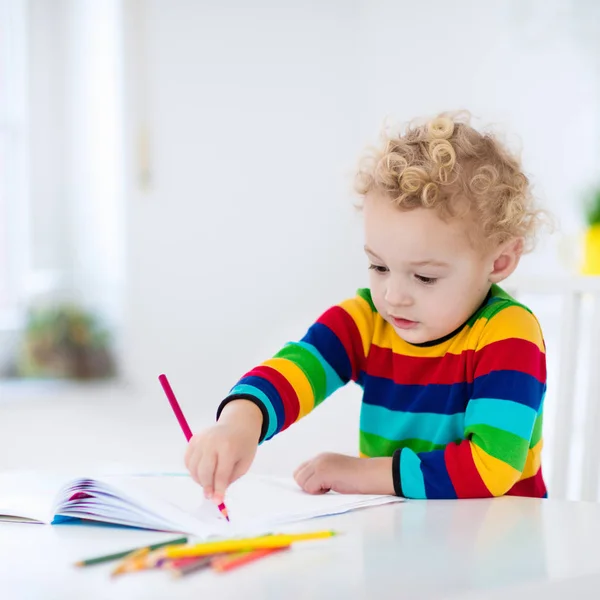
{"x": 426, "y": 278}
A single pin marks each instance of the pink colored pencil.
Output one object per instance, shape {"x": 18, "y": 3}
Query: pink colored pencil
{"x": 166, "y": 386}
{"x": 175, "y": 406}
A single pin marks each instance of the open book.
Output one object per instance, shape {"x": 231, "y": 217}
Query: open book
{"x": 168, "y": 502}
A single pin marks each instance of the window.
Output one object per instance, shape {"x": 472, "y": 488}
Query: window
{"x": 13, "y": 156}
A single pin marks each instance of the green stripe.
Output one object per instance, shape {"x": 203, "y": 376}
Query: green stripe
{"x": 365, "y": 294}
{"x": 418, "y": 446}
{"x": 375, "y": 445}
{"x": 311, "y": 367}
{"x": 332, "y": 379}
{"x": 498, "y": 302}
{"x": 503, "y": 445}
{"x": 536, "y": 434}
{"x": 498, "y": 292}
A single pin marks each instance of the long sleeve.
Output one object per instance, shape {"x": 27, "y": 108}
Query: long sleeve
{"x": 302, "y": 374}
{"x": 501, "y": 448}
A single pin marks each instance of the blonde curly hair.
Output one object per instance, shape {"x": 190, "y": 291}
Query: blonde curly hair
{"x": 445, "y": 164}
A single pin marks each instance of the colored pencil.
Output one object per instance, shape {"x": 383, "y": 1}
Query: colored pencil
{"x": 191, "y": 565}
{"x": 228, "y": 563}
{"x": 136, "y": 561}
{"x": 175, "y": 406}
{"x": 117, "y": 555}
{"x": 183, "y": 423}
{"x": 241, "y": 544}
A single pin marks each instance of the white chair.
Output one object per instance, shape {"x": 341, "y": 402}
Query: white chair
{"x": 569, "y": 310}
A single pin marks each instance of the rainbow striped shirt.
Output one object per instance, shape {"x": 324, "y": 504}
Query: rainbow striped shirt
{"x": 461, "y": 416}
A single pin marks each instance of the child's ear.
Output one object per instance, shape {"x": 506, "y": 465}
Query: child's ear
{"x": 505, "y": 260}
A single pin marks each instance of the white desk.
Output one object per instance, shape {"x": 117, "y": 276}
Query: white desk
{"x": 465, "y": 549}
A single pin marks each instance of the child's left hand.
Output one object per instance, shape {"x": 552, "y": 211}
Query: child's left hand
{"x": 345, "y": 475}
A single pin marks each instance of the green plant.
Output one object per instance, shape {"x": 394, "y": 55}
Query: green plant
{"x": 64, "y": 341}
{"x": 592, "y": 208}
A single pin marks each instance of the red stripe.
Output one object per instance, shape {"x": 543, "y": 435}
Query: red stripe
{"x": 506, "y": 355}
{"x": 418, "y": 370}
{"x": 346, "y": 330}
{"x": 532, "y": 487}
{"x": 513, "y": 354}
{"x": 289, "y": 398}
{"x": 462, "y": 471}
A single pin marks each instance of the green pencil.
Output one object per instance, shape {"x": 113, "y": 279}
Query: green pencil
{"x": 117, "y": 555}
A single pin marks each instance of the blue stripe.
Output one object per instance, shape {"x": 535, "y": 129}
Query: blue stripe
{"x": 331, "y": 349}
{"x": 453, "y": 398}
{"x": 397, "y": 425}
{"x": 411, "y": 477}
{"x": 502, "y": 414}
{"x": 438, "y": 484}
{"x": 510, "y": 385}
{"x": 332, "y": 379}
{"x": 445, "y": 399}
{"x": 269, "y": 392}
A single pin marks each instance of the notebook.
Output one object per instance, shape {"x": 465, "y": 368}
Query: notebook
{"x": 174, "y": 503}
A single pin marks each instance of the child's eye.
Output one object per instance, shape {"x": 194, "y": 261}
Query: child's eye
{"x": 378, "y": 268}
{"x": 426, "y": 280}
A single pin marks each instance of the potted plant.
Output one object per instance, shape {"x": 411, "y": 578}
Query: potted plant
{"x": 65, "y": 342}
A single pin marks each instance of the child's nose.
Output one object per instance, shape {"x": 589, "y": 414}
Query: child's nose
{"x": 397, "y": 296}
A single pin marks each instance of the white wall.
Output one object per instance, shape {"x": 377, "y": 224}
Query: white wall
{"x": 246, "y": 232}
{"x": 48, "y": 121}
{"x": 75, "y": 166}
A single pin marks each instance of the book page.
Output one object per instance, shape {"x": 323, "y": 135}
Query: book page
{"x": 255, "y": 503}
{"x": 258, "y": 503}
{"x": 29, "y": 496}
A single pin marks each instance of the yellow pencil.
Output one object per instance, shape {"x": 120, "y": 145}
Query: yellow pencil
{"x": 136, "y": 561}
{"x": 236, "y": 545}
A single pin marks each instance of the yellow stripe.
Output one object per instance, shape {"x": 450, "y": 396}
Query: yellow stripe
{"x": 298, "y": 380}
{"x": 363, "y": 455}
{"x": 384, "y": 336}
{"x": 534, "y": 460}
{"x": 498, "y": 476}
{"x": 360, "y": 311}
{"x": 513, "y": 322}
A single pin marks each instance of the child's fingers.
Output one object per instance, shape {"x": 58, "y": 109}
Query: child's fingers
{"x": 298, "y": 469}
{"x": 302, "y": 473}
{"x": 313, "y": 485}
{"x": 206, "y": 473}
{"x": 308, "y": 479}
{"x": 192, "y": 459}
{"x": 223, "y": 472}
{"x": 194, "y": 470}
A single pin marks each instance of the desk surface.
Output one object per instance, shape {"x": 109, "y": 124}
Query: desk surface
{"x": 426, "y": 550}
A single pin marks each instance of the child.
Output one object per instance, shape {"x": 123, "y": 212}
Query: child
{"x": 453, "y": 369}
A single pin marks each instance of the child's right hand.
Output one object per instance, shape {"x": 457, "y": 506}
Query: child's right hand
{"x": 224, "y": 452}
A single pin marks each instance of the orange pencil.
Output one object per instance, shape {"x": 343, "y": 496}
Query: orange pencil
{"x": 187, "y": 432}
{"x": 228, "y": 563}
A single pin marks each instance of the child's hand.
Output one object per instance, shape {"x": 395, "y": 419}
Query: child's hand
{"x": 223, "y": 453}
{"x": 346, "y": 475}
